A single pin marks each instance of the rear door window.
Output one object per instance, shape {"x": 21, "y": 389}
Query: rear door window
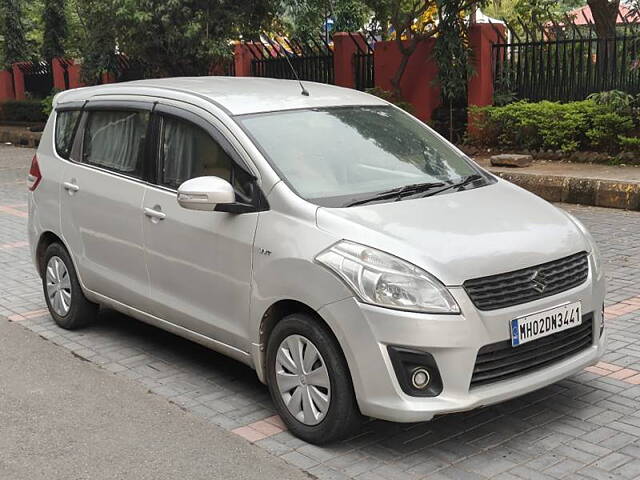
{"x": 115, "y": 140}
{"x": 66, "y": 122}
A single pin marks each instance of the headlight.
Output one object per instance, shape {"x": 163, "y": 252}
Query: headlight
{"x": 384, "y": 280}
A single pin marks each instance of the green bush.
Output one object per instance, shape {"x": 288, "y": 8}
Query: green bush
{"x": 47, "y": 103}
{"x": 546, "y": 125}
{"x": 630, "y": 144}
{"x": 22, "y": 111}
{"x": 606, "y": 129}
{"x": 619, "y": 101}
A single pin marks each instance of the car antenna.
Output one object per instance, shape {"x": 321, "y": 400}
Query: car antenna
{"x": 304, "y": 91}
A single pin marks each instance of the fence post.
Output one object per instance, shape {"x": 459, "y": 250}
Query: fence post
{"x": 242, "y": 58}
{"x": 6, "y": 85}
{"x": 18, "y": 81}
{"x": 343, "y": 65}
{"x": 74, "y": 70}
{"x": 108, "y": 77}
{"x": 58, "y": 74}
{"x": 482, "y": 36}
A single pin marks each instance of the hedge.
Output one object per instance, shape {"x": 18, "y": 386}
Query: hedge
{"x": 568, "y": 127}
{"x": 22, "y": 111}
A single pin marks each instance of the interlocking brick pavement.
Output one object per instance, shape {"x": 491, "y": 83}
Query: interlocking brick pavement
{"x": 585, "y": 427}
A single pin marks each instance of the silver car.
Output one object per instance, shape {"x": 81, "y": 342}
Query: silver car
{"x": 360, "y": 263}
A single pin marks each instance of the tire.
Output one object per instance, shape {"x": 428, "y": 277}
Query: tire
{"x": 342, "y": 416}
{"x": 66, "y": 303}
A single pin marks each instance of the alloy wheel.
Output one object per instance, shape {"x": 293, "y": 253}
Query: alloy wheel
{"x": 303, "y": 379}
{"x": 58, "y": 286}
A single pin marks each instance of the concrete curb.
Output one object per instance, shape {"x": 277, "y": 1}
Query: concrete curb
{"x": 585, "y": 191}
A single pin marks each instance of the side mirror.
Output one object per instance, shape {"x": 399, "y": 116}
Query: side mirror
{"x": 205, "y": 193}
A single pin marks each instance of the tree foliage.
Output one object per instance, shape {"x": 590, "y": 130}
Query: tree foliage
{"x": 452, "y": 53}
{"x": 306, "y": 18}
{"x": 15, "y": 47}
{"x": 538, "y": 12}
{"x": 530, "y": 12}
{"x": 55, "y": 29}
{"x": 165, "y": 37}
{"x": 97, "y": 37}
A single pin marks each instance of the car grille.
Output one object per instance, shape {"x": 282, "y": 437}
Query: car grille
{"x": 521, "y": 286}
{"x": 500, "y": 361}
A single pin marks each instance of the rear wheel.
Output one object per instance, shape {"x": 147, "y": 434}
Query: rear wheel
{"x": 66, "y": 302}
{"x": 309, "y": 381}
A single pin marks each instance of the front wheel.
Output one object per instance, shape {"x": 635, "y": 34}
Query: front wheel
{"x": 309, "y": 381}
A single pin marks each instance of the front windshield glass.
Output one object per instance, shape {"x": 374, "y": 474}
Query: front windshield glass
{"x": 336, "y": 156}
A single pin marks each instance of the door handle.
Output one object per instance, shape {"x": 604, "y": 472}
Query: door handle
{"x": 70, "y": 187}
{"x": 154, "y": 214}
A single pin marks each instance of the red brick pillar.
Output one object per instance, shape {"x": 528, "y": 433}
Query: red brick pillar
{"x": 18, "y": 81}
{"x": 108, "y": 77}
{"x": 74, "y": 71}
{"x": 58, "y": 68}
{"x": 6, "y": 85}
{"x": 482, "y": 36}
{"x": 242, "y": 57}
{"x": 344, "y": 47}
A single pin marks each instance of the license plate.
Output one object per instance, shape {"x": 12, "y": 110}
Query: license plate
{"x": 547, "y": 322}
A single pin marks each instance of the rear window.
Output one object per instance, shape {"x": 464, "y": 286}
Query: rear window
{"x": 65, "y": 129}
{"x": 115, "y": 140}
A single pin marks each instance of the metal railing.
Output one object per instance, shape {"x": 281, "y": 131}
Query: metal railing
{"x": 566, "y": 63}
{"x": 223, "y": 66}
{"x": 363, "y": 60}
{"x": 128, "y": 69}
{"x": 38, "y": 79}
{"x": 312, "y": 59}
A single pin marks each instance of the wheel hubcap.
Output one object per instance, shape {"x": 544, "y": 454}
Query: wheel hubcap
{"x": 303, "y": 379}
{"x": 58, "y": 286}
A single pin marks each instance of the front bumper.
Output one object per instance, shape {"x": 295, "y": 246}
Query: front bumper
{"x": 365, "y": 332}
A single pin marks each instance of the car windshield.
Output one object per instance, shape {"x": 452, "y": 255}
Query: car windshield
{"x": 352, "y": 155}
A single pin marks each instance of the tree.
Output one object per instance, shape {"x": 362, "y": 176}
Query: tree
{"x": 306, "y": 18}
{"x": 96, "y": 37}
{"x": 15, "y": 46}
{"x": 55, "y": 29}
{"x": 605, "y": 16}
{"x": 182, "y": 37}
{"x": 411, "y": 24}
{"x": 452, "y": 52}
{"x": 531, "y": 13}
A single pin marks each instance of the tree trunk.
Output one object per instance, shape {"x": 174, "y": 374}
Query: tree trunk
{"x": 397, "y": 77}
{"x": 406, "y": 52}
{"x": 605, "y": 16}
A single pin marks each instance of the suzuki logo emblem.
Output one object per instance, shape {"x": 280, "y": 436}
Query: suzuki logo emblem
{"x": 537, "y": 281}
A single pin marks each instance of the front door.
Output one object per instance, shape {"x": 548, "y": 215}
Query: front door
{"x": 101, "y": 200}
{"x": 199, "y": 262}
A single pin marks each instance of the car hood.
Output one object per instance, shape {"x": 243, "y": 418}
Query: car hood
{"x": 462, "y": 235}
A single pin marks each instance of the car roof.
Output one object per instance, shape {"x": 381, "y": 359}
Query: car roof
{"x": 236, "y": 95}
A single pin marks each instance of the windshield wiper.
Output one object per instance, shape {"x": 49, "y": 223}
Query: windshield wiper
{"x": 462, "y": 183}
{"x": 398, "y": 193}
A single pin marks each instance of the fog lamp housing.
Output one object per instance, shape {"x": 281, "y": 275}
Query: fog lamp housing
{"x": 416, "y": 371}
